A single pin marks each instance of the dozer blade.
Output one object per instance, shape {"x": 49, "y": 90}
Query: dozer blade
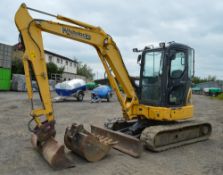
{"x": 163, "y": 137}
{"x": 53, "y": 153}
{"x": 85, "y": 144}
{"x": 125, "y": 143}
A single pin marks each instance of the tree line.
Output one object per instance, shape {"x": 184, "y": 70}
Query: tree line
{"x": 197, "y": 80}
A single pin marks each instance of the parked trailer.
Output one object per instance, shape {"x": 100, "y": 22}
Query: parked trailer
{"x": 212, "y": 91}
{"x": 72, "y": 88}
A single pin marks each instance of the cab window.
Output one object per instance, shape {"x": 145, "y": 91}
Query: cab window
{"x": 177, "y": 65}
{"x": 191, "y": 63}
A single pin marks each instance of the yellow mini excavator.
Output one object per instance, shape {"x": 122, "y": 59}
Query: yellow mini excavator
{"x": 156, "y": 111}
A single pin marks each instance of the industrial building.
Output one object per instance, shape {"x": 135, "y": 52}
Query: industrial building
{"x": 70, "y": 66}
{"x": 200, "y": 87}
{"x": 10, "y": 52}
{"x": 210, "y": 84}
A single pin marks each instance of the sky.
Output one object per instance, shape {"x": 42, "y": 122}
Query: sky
{"x": 131, "y": 23}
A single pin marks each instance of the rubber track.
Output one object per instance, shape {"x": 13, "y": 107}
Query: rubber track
{"x": 151, "y": 135}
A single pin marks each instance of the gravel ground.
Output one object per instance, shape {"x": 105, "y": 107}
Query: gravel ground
{"x": 18, "y": 157}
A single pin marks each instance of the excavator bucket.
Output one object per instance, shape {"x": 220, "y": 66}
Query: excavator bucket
{"x": 85, "y": 144}
{"x": 125, "y": 143}
{"x": 53, "y": 153}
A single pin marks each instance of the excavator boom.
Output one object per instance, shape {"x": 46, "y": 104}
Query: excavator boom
{"x": 76, "y": 137}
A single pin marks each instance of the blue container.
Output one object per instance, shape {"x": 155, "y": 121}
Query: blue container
{"x": 103, "y": 92}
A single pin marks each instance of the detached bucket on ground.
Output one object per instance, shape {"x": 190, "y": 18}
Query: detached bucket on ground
{"x": 53, "y": 152}
{"x": 85, "y": 144}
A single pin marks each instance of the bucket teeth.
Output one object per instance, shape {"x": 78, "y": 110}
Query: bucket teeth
{"x": 105, "y": 140}
{"x": 87, "y": 145}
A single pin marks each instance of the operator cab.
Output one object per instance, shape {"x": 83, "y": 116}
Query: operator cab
{"x": 165, "y": 74}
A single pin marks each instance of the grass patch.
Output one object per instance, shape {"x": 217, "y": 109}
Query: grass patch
{"x": 220, "y": 96}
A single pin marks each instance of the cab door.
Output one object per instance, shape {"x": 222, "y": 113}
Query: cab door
{"x": 179, "y": 76}
{"x": 151, "y": 78}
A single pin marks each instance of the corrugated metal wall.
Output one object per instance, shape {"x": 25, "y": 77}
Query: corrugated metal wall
{"x": 5, "y": 55}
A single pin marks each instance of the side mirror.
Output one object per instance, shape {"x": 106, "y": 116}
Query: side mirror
{"x": 135, "y": 50}
{"x": 139, "y": 59}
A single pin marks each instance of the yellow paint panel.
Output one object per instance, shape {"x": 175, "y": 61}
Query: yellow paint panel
{"x": 162, "y": 113}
